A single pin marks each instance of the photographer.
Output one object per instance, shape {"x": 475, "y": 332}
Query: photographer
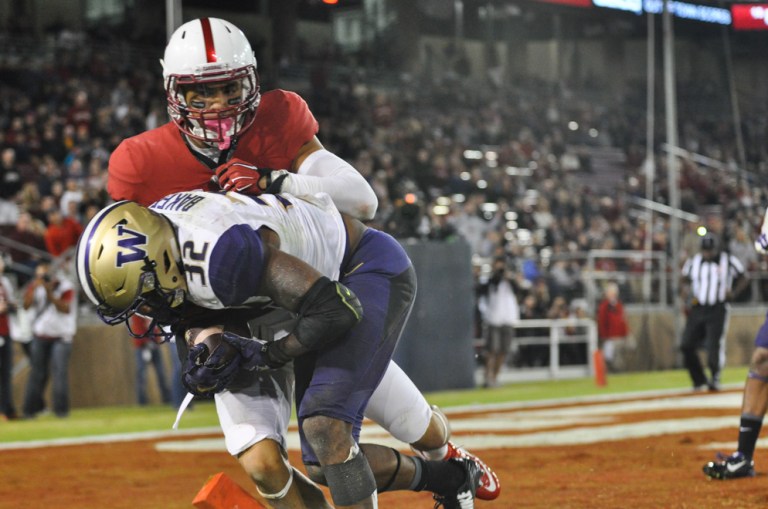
{"x": 53, "y": 300}
{"x": 502, "y": 312}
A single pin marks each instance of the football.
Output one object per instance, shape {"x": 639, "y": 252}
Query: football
{"x": 197, "y": 335}
{"x": 211, "y": 338}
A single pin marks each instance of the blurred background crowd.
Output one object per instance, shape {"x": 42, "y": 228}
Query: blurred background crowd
{"x": 532, "y": 171}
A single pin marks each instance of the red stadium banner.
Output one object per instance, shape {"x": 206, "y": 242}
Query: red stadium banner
{"x": 750, "y": 16}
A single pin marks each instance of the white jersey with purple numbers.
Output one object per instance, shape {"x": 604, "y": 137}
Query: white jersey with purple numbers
{"x": 222, "y": 252}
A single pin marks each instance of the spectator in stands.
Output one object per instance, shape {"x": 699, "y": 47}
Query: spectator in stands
{"x": 73, "y": 193}
{"x": 10, "y": 185}
{"x": 612, "y": 328}
{"x": 502, "y": 312}
{"x": 148, "y": 352}
{"x": 62, "y": 232}
{"x": 575, "y": 353}
{"x": 30, "y": 233}
{"x": 53, "y": 299}
{"x": 80, "y": 114}
{"x": 558, "y": 309}
{"x": 532, "y": 355}
{"x": 470, "y": 225}
{"x": 743, "y": 248}
{"x": 7, "y": 307}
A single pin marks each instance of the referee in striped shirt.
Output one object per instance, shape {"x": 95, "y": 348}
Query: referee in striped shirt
{"x": 710, "y": 276}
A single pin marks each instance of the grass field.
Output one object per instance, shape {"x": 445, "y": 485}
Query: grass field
{"x": 134, "y": 419}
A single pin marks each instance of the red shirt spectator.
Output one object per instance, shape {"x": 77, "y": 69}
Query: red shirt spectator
{"x": 62, "y": 232}
{"x": 611, "y": 323}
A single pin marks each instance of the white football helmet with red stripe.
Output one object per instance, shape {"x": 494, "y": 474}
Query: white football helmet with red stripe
{"x": 210, "y": 52}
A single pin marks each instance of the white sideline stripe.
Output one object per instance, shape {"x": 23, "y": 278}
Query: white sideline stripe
{"x": 577, "y": 436}
{"x": 600, "y": 434}
{"x": 583, "y": 399}
{"x": 732, "y": 446}
{"x": 102, "y": 439}
{"x": 721, "y": 400}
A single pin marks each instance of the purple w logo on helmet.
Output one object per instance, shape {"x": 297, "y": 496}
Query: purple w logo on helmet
{"x": 130, "y": 241}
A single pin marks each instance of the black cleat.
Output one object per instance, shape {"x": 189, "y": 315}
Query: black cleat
{"x": 730, "y": 467}
{"x": 464, "y": 496}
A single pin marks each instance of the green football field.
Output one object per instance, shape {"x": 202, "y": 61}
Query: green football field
{"x": 134, "y": 419}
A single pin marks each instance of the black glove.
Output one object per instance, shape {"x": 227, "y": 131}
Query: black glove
{"x": 254, "y": 353}
{"x": 208, "y": 373}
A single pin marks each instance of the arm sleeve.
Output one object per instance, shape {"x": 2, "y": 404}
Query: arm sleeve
{"x": 325, "y": 172}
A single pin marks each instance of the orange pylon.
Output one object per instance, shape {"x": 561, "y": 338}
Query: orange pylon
{"x": 599, "y": 362}
{"x": 221, "y": 492}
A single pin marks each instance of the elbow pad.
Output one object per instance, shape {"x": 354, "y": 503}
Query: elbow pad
{"x": 328, "y": 311}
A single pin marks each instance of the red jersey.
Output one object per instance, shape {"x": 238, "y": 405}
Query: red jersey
{"x": 610, "y": 320}
{"x": 156, "y": 163}
{"x": 60, "y": 237}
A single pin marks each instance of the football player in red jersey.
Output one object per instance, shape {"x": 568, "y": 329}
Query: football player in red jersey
{"x": 225, "y": 134}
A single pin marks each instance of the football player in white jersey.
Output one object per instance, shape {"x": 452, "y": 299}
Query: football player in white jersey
{"x": 202, "y": 251}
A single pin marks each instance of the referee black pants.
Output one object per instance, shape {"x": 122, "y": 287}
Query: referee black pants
{"x": 705, "y": 328}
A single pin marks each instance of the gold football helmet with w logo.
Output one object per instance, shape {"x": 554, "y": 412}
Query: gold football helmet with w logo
{"x": 128, "y": 262}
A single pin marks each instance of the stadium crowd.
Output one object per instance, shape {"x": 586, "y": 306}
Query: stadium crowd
{"x": 507, "y": 167}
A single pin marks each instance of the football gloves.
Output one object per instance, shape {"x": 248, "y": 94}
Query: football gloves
{"x": 254, "y": 353}
{"x": 242, "y": 177}
{"x": 208, "y": 372}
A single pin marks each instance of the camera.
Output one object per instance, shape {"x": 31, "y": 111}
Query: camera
{"x": 47, "y": 278}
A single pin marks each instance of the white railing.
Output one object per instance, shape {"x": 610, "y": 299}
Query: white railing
{"x": 581, "y": 330}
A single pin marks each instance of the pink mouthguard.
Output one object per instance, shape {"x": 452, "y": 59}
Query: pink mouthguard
{"x": 222, "y": 127}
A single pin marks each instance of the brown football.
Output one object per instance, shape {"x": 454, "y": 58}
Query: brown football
{"x": 211, "y": 337}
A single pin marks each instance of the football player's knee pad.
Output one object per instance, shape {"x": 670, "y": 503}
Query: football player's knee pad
{"x": 350, "y": 481}
{"x": 280, "y": 494}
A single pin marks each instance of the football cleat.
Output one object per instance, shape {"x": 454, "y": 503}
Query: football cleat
{"x": 489, "y": 487}
{"x": 464, "y": 497}
{"x": 730, "y": 467}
